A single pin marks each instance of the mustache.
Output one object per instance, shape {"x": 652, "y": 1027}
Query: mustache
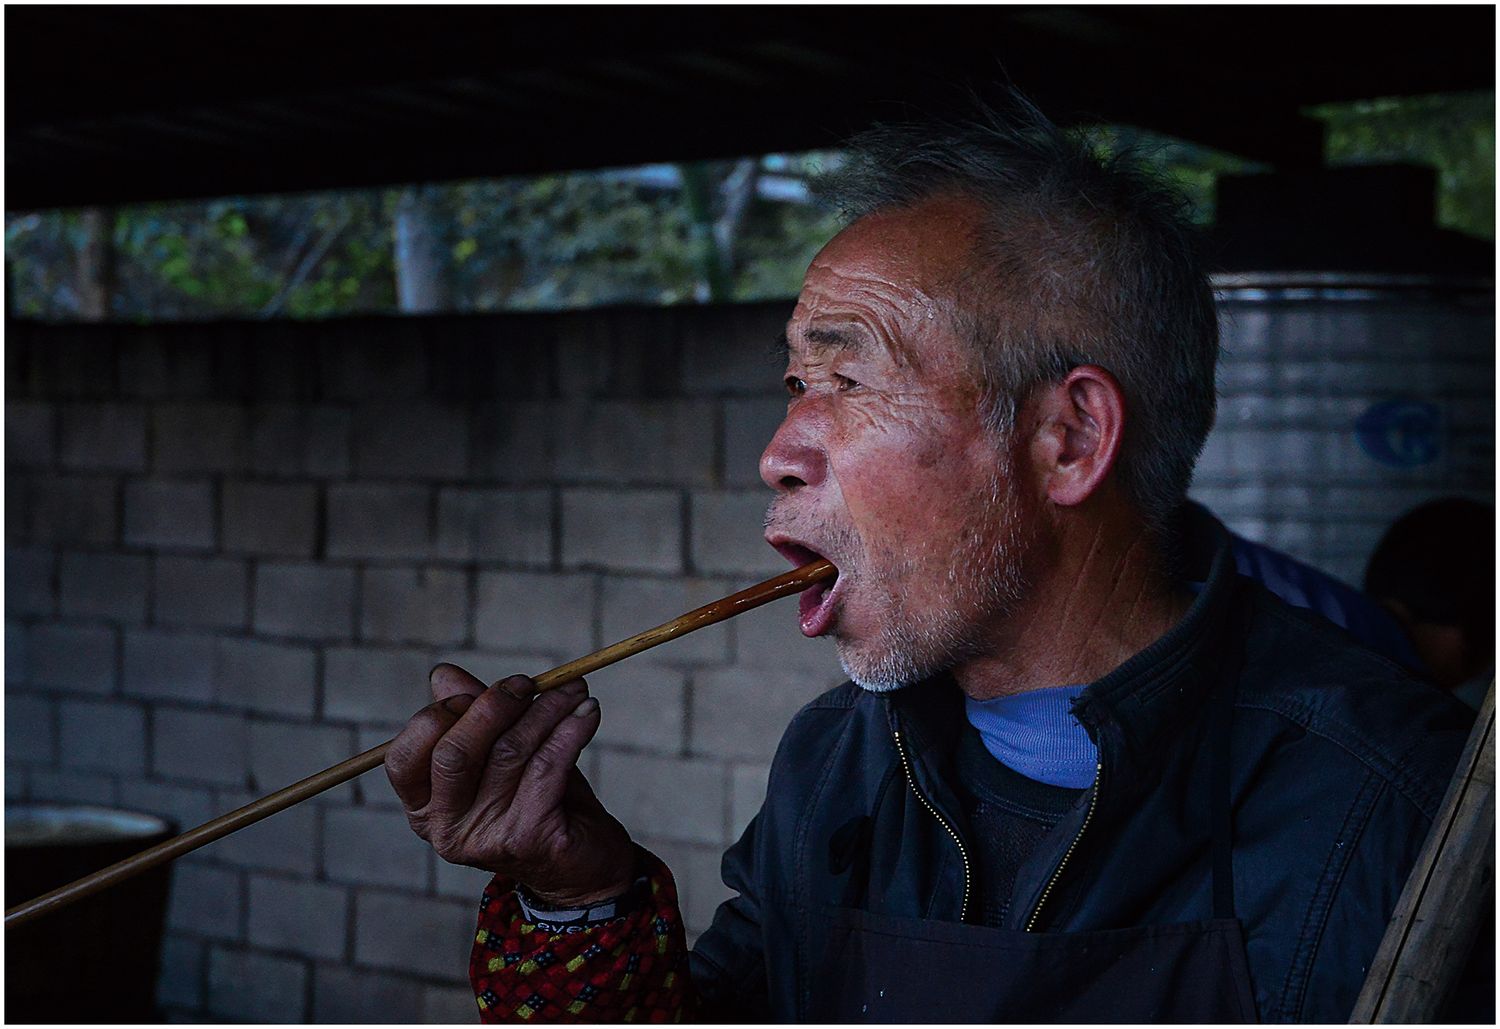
{"x": 834, "y": 541}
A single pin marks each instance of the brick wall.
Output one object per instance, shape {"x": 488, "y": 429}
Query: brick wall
{"x": 234, "y": 551}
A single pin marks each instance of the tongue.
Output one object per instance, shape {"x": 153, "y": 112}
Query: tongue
{"x": 813, "y": 617}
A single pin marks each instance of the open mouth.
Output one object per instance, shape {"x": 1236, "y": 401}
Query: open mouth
{"x": 817, "y": 603}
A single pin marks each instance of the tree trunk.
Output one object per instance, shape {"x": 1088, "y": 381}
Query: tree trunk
{"x": 422, "y": 280}
{"x": 698, "y": 193}
{"x": 95, "y": 266}
{"x": 739, "y": 191}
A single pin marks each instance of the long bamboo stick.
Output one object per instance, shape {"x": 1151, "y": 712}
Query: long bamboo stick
{"x": 795, "y": 581}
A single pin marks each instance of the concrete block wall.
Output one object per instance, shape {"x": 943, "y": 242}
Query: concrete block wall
{"x": 234, "y": 551}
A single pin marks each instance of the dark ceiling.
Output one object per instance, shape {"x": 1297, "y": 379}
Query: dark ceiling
{"x": 117, "y": 104}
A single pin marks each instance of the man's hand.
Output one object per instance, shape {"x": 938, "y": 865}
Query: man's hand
{"x": 489, "y": 777}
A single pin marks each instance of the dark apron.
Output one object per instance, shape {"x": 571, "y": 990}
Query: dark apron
{"x": 881, "y": 968}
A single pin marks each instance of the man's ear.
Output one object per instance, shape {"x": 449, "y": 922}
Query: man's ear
{"x": 1080, "y": 428}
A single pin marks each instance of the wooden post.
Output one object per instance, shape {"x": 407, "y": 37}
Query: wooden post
{"x": 1440, "y": 909}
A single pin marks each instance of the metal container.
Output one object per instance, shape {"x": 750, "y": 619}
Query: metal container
{"x": 1346, "y": 399}
{"x": 97, "y": 959}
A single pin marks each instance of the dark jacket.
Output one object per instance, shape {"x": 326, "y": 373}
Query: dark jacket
{"x": 1338, "y": 763}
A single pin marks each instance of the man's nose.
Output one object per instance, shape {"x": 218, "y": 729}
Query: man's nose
{"x": 793, "y": 458}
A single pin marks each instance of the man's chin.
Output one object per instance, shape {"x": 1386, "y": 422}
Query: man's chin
{"x": 875, "y": 686}
{"x": 884, "y": 675}
{"x": 904, "y": 655}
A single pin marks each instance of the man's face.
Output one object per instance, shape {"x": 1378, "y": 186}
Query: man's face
{"x": 884, "y": 464}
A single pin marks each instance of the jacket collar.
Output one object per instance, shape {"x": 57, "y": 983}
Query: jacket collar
{"x": 1130, "y": 709}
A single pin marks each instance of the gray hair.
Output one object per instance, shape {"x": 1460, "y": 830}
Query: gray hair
{"x": 1083, "y": 258}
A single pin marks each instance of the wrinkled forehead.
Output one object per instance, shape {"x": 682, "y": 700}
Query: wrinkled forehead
{"x": 926, "y": 248}
{"x": 890, "y": 279}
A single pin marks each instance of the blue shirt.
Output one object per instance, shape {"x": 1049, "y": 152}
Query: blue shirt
{"x": 1034, "y": 733}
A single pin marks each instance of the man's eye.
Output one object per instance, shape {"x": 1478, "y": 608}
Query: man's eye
{"x": 795, "y": 387}
{"x": 846, "y": 383}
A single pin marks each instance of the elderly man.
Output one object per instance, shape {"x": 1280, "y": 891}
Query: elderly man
{"x": 1083, "y": 771}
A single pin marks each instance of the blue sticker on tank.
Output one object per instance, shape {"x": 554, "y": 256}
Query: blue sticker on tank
{"x": 1402, "y": 433}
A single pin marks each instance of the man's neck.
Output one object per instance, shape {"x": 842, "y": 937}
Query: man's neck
{"x": 1105, "y": 598}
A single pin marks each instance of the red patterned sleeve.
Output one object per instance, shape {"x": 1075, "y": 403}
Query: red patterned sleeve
{"x": 630, "y": 969}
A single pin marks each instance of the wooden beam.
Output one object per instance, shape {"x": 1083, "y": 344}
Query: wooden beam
{"x": 1428, "y": 939}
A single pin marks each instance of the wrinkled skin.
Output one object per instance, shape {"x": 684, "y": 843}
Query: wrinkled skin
{"x": 1013, "y": 562}
{"x": 490, "y": 778}
{"x": 884, "y": 463}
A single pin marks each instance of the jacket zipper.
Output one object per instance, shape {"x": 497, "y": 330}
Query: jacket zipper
{"x": 1057, "y": 872}
{"x": 963, "y": 908}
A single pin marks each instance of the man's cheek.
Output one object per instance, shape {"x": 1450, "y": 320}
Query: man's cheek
{"x": 887, "y": 495}
{"x": 892, "y": 539}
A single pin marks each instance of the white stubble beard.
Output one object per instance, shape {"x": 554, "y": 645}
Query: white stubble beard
{"x": 986, "y": 578}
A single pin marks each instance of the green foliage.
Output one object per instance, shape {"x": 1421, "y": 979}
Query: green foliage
{"x": 660, "y": 234}
{"x": 555, "y": 241}
{"x": 779, "y": 241}
{"x": 303, "y": 256}
{"x": 40, "y": 254}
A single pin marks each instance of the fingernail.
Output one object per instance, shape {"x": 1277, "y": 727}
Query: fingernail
{"x": 458, "y": 703}
{"x": 518, "y": 686}
{"x": 587, "y": 708}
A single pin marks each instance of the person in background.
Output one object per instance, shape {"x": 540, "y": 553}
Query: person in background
{"x": 1301, "y": 585}
{"x": 1434, "y": 571}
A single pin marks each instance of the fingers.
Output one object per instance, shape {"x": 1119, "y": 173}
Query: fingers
{"x": 450, "y": 680}
{"x": 545, "y": 781}
{"x": 512, "y": 751}
{"x": 492, "y": 780}
{"x": 408, "y": 763}
{"x": 492, "y": 741}
{"x": 459, "y": 757}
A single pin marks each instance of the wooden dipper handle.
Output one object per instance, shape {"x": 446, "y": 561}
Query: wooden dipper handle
{"x": 795, "y": 581}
